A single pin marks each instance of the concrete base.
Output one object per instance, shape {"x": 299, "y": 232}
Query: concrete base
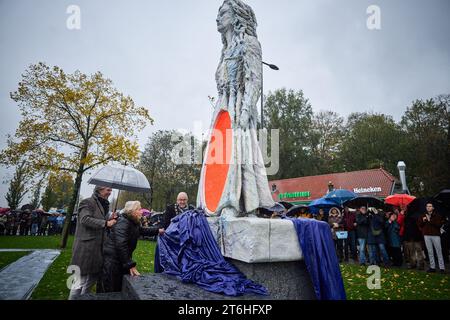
{"x": 157, "y": 286}
{"x": 284, "y": 280}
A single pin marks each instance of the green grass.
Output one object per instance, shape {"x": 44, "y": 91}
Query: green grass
{"x": 53, "y": 285}
{"x": 9, "y": 257}
{"x": 396, "y": 284}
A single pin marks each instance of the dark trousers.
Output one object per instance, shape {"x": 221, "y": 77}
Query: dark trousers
{"x": 395, "y": 253}
{"x": 339, "y": 246}
{"x": 111, "y": 276}
{"x": 350, "y": 242}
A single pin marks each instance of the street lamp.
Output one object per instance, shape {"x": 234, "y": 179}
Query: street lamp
{"x": 273, "y": 67}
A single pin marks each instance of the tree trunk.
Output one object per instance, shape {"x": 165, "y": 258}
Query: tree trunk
{"x": 71, "y": 209}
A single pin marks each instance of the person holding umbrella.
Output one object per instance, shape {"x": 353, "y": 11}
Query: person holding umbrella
{"x": 89, "y": 235}
{"x": 362, "y": 231}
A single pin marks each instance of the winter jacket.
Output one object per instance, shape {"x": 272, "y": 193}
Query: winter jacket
{"x": 412, "y": 231}
{"x": 362, "y": 228}
{"x": 348, "y": 220}
{"x": 332, "y": 220}
{"x": 120, "y": 242}
{"x": 376, "y": 229}
{"x": 432, "y": 227}
{"x": 401, "y": 223}
{"x": 393, "y": 234}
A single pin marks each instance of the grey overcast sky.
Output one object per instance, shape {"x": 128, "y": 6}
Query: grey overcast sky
{"x": 164, "y": 53}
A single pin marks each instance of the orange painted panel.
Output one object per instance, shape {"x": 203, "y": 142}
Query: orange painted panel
{"x": 217, "y": 162}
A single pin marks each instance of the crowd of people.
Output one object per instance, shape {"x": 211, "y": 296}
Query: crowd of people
{"x": 33, "y": 222}
{"x": 377, "y": 237}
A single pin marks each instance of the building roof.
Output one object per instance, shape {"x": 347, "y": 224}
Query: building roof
{"x": 376, "y": 182}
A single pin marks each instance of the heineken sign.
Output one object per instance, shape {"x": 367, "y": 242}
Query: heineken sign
{"x": 367, "y": 190}
{"x": 302, "y": 194}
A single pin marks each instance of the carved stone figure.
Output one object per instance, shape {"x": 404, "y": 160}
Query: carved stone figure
{"x": 233, "y": 181}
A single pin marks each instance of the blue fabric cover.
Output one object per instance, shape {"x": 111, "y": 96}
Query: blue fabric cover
{"x": 320, "y": 258}
{"x": 189, "y": 251}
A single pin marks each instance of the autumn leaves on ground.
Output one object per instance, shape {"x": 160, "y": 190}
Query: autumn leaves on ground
{"x": 396, "y": 284}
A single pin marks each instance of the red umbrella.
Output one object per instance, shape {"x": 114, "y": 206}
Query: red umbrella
{"x": 399, "y": 200}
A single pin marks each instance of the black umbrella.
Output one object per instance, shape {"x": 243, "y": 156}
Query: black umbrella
{"x": 419, "y": 206}
{"x": 443, "y": 197}
{"x": 296, "y": 209}
{"x": 268, "y": 211}
{"x": 368, "y": 201}
{"x": 286, "y": 204}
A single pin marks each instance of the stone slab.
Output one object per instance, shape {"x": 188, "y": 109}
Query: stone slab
{"x": 158, "y": 286}
{"x": 256, "y": 240}
{"x": 18, "y": 280}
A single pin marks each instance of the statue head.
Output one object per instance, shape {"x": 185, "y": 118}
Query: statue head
{"x": 236, "y": 16}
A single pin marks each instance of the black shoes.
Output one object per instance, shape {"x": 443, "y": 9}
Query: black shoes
{"x": 430, "y": 270}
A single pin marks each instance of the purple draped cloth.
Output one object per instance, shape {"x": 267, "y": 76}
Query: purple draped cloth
{"x": 320, "y": 258}
{"x": 189, "y": 251}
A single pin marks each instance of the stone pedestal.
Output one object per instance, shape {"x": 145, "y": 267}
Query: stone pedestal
{"x": 283, "y": 280}
{"x": 267, "y": 251}
{"x": 158, "y": 286}
{"x": 255, "y": 240}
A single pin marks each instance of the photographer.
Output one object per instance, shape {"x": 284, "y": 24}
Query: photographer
{"x": 336, "y": 224}
{"x": 376, "y": 238}
{"x": 362, "y": 231}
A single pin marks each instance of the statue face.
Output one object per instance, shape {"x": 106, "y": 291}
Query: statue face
{"x": 224, "y": 18}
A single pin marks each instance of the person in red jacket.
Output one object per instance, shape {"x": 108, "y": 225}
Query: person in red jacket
{"x": 401, "y": 214}
{"x": 430, "y": 224}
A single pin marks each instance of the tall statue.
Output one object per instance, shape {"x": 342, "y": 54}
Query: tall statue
{"x": 233, "y": 181}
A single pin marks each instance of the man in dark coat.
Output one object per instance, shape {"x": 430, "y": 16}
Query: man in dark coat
{"x": 362, "y": 230}
{"x": 175, "y": 209}
{"x": 89, "y": 235}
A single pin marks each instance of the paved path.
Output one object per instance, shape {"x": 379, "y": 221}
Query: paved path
{"x": 18, "y": 280}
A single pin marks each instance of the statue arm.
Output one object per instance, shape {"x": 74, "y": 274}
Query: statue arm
{"x": 252, "y": 82}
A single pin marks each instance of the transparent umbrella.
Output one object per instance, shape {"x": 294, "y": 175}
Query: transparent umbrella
{"x": 120, "y": 177}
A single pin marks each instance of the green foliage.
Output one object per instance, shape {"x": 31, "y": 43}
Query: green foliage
{"x": 17, "y": 186}
{"x": 396, "y": 284}
{"x": 58, "y": 191}
{"x": 7, "y": 258}
{"x": 291, "y": 113}
{"x": 428, "y": 126}
{"x": 72, "y": 122}
{"x": 372, "y": 140}
{"x": 326, "y": 137}
{"x": 167, "y": 177}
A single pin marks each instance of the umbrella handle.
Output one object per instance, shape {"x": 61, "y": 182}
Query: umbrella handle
{"x": 117, "y": 201}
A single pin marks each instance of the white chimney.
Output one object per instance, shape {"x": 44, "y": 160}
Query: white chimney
{"x": 401, "y": 169}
